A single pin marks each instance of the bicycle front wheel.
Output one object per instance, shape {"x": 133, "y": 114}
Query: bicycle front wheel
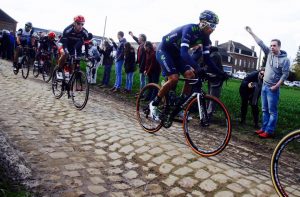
{"x": 144, "y": 114}
{"x": 57, "y": 85}
{"x": 285, "y": 165}
{"x": 25, "y": 68}
{"x": 207, "y": 137}
{"x": 79, "y": 89}
{"x": 35, "y": 70}
{"x": 47, "y": 71}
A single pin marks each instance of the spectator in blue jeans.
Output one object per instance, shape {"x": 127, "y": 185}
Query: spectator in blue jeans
{"x": 119, "y": 59}
{"x": 129, "y": 66}
{"x": 107, "y": 63}
{"x": 276, "y": 71}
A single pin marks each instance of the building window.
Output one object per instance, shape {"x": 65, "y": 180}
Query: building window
{"x": 240, "y": 62}
{"x": 235, "y": 62}
{"x": 229, "y": 58}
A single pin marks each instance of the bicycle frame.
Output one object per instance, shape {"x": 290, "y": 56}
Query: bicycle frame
{"x": 199, "y": 94}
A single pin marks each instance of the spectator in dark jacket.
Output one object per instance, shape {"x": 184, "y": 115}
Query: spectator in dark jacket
{"x": 107, "y": 63}
{"x": 141, "y": 56}
{"x": 129, "y": 66}
{"x": 5, "y": 44}
{"x": 250, "y": 90}
{"x": 119, "y": 60}
{"x": 152, "y": 67}
{"x": 12, "y": 45}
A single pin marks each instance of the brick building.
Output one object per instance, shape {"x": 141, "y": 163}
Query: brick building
{"x": 7, "y": 22}
{"x": 237, "y": 55}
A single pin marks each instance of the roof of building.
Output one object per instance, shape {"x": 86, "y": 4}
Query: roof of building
{"x": 244, "y": 50}
{"x": 6, "y": 17}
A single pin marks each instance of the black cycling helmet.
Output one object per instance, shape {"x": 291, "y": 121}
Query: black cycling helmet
{"x": 209, "y": 16}
{"x": 28, "y": 24}
{"x": 90, "y": 36}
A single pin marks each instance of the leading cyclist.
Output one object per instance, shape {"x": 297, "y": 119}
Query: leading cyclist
{"x": 73, "y": 38}
{"x": 173, "y": 56}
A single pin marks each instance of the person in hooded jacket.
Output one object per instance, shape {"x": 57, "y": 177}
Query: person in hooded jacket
{"x": 276, "y": 71}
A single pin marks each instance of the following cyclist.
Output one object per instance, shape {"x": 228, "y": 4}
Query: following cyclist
{"x": 24, "y": 38}
{"x": 47, "y": 44}
{"x": 72, "y": 40}
{"x": 173, "y": 56}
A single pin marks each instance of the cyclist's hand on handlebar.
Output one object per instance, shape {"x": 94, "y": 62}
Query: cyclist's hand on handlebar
{"x": 66, "y": 51}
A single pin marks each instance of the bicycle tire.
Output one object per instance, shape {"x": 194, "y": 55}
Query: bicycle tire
{"x": 57, "y": 85}
{"x": 25, "y": 67}
{"x": 211, "y": 139}
{"x": 79, "y": 100}
{"x": 17, "y": 70}
{"x": 279, "y": 149}
{"x": 35, "y": 70}
{"x": 143, "y": 110}
{"x": 47, "y": 71}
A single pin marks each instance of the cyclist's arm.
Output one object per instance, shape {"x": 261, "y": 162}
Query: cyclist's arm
{"x": 19, "y": 33}
{"x": 184, "y": 48}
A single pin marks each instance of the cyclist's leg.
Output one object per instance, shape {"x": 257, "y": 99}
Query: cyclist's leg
{"x": 16, "y": 56}
{"x": 189, "y": 74}
{"x": 62, "y": 60}
{"x": 168, "y": 66}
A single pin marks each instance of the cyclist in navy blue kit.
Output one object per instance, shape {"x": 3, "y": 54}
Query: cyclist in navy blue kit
{"x": 173, "y": 56}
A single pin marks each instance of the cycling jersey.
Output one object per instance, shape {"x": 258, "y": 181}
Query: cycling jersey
{"x": 46, "y": 44}
{"x": 72, "y": 40}
{"x": 172, "y": 53}
{"x": 25, "y": 37}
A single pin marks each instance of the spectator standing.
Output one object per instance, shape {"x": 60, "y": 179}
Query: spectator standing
{"x": 119, "y": 60}
{"x": 215, "y": 83}
{"x": 95, "y": 58}
{"x": 12, "y": 45}
{"x": 152, "y": 67}
{"x": 5, "y": 44}
{"x": 276, "y": 71}
{"x": 141, "y": 57}
{"x": 250, "y": 90}
{"x": 107, "y": 63}
{"x": 129, "y": 66}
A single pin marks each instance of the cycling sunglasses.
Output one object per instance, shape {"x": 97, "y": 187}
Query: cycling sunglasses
{"x": 212, "y": 25}
{"x": 81, "y": 24}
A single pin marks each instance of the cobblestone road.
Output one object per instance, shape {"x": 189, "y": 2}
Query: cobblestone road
{"x": 102, "y": 151}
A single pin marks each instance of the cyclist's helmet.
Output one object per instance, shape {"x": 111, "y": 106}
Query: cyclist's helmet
{"x": 90, "y": 36}
{"x": 209, "y": 16}
{"x": 51, "y": 35}
{"x": 28, "y": 24}
{"x": 79, "y": 19}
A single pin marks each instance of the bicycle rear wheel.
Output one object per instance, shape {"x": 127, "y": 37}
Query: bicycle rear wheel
{"x": 285, "y": 165}
{"x": 25, "y": 67}
{"x": 211, "y": 138}
{"x": 79, "y": 89}
{"x": 47, "y": 71}
{"x": 57, "y": 85}
{"x": 143, "y": 112}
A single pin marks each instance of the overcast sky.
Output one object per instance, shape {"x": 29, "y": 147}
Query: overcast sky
{"x": 268, "y": 18}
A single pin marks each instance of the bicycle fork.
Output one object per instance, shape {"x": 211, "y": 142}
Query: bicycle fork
{"x": 202, "y": 111}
